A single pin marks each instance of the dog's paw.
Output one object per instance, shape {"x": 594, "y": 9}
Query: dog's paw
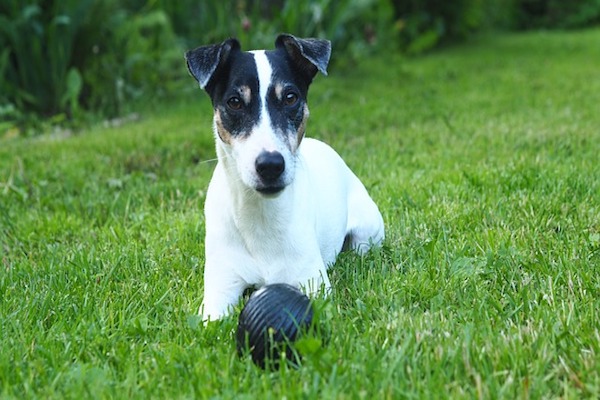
{"x": 208, "y": 314}
{"x": 317, "y": 286}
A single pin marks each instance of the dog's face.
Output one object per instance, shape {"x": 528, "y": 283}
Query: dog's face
{"x": 259, "y": 100}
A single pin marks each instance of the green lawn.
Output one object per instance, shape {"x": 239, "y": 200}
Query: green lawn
{"x": 484, "y": 160}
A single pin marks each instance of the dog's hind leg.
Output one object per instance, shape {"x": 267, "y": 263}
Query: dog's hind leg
{"x": 365, "y": 224}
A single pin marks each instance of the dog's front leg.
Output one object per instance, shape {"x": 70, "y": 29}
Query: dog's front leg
{"x": 318, "y": 285}
{"x": 313, "y": 280}
{"x": 222, "y": 291}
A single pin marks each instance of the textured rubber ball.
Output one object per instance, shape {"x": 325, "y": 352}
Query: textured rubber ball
{"x": 272, "y": 319}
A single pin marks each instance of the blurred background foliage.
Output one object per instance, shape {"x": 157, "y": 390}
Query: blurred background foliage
{"x": 72, "y": 61}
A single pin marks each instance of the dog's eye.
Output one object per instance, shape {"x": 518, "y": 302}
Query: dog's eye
{"x": 234, "y": 103}
{"x": 290, "y": 99}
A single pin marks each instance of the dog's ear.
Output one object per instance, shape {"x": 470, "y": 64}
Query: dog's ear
{"x": 310, "y": 55}
{"x": 202, "y": 62}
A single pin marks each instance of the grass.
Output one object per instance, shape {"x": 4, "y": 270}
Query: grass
{"x": 484, "y": 161}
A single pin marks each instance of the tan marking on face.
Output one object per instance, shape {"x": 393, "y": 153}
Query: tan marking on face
{"x": 223, "y": 133}
{"x": 246, "y": 94}
{"x": 302, "y": 127}
{"x": 279, "y": 91}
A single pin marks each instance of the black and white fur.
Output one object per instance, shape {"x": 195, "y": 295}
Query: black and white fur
{"x": 279, "y": 207}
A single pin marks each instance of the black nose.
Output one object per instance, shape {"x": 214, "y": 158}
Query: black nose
{"x": 269, "y": 165}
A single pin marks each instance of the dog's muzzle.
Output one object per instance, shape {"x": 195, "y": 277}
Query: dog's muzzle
{"x": 269, "y": 167}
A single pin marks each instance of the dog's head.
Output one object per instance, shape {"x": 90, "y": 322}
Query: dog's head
{"x": 259, "y": 100}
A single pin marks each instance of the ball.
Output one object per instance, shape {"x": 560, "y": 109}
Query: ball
{"x": 270, "y": 322}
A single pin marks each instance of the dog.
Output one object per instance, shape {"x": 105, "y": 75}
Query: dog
{"x": 279, "y": 207}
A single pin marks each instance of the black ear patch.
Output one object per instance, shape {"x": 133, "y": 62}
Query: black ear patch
{"x": 202, "y": 62}
{"x": 309, "y": 55}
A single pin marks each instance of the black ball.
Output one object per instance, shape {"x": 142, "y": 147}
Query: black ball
{"x": 271, "y": 321}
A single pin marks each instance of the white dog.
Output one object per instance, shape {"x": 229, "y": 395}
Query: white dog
{"x": 279, "y": 207}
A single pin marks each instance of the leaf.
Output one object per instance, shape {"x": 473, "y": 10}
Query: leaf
{"x": 74, "y": 83}
{"x": 31, "y": 11}
{"x": 308, "y": 345}
{"x": 194, "y": 322}
{"x": 141, "y": 323}
{"x": 425, "y": 41}
{"x": 464, "y": 267}
{"x": 62, "y": 20}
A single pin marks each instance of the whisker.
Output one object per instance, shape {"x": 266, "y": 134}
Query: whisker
{"x": 208, "y": 161}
